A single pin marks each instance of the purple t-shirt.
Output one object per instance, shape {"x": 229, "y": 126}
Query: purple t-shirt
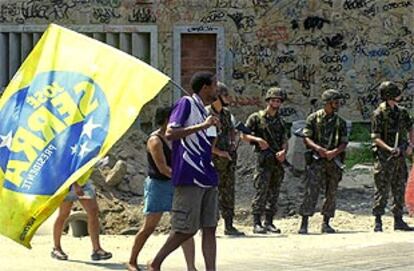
{"x": 191, "y": 155}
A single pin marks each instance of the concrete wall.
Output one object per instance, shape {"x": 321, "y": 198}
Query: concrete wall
{"x": 304, "y": 46}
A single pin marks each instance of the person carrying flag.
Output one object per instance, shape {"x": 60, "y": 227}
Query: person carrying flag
{"x": 87, "y": 198}
{"x": 195, "y": 203}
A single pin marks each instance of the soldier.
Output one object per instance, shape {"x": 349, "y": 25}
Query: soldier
{"x": 269, "y": 135}
{"x": 225, "y": 157}
{"x": 326, "y": 136}
{"x": 389, "y": 128}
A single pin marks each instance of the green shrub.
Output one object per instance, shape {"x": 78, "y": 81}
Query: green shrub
{"x": 359, "y": 156}
{"x": 360, "y": 132}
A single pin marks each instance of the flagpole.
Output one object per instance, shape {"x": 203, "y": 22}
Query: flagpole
{"x": 180, "y": 87}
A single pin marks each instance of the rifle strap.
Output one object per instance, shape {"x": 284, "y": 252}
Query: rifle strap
{"x": 265, "y": 126}
{"x": 319, "y": 119}
{"x": 337, "y": 131}
{"x": 319, "y": 127}
{"x": 383, "y": 107}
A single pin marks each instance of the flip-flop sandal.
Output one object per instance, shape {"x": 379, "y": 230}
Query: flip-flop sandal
{"x": 101, "y": 255}
{"x": 59, "y": 254}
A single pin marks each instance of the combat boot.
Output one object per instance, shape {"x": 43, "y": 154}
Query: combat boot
{"x": 269, "y": 226}
{"x": 257, "y": 225}
{"x": 326, "y": 228}
{"x": 378, "y": 224}
{"x": 304, "y": 225}
{"x": 400, "y": 225}
{"x": 230, "y": 229}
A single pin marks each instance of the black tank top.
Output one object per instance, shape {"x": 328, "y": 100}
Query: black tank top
{"x": 153, "y": 171}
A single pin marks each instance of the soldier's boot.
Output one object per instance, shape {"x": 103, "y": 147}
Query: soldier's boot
{"x": 400, "y": 225}
{"x": 257, "y": 225}
{"x": 378, "y": 224}
{"x": 230, "y": 229}
{"x": 269, "y": 226}
{"x": 326, "y": 228}
{"x": 304, "y": 225}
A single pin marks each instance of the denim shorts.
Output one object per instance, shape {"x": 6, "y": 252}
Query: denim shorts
{"x": 158, "y": 195}
{"x": 88, "y": 190}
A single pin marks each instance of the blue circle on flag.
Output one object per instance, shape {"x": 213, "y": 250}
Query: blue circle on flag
{"x": 49, "y": 129}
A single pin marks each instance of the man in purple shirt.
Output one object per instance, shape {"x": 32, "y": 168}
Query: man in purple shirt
{"x": 195, "y": 203}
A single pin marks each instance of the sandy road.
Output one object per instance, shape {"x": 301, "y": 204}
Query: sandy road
{"x": 351, "y": 250}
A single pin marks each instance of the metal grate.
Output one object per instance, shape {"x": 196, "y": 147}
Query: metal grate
{"x": 16, "y": 42}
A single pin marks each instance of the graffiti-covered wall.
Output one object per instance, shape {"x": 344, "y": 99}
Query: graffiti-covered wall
{"x": 305, "y": 46}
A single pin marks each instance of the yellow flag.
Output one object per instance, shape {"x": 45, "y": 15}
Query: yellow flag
{"x": 69, "y": 102}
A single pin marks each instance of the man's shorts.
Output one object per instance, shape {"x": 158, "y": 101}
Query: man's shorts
{"x": 158, "y": 196}
{"x": 194, "y": 208}
{"x": 88, "y": 191}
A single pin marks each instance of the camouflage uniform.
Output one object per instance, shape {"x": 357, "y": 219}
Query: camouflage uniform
{"x": 328, "y": 131}
{"x": 390, "y": 173}
{"x": 225, "y": 168}
{"x": 269, "y": 172}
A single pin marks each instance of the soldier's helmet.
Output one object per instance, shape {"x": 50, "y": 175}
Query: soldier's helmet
{"x": 275, "y": 93}
{"x": 389, "y": 90}
{"x": 331, "y": 95}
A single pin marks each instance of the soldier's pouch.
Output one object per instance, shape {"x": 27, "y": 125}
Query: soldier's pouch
{"x": 261, "y": 159}
{"x": 342, "y": 156}
{"x": 375, "y": 152}
{"x": 257, "y": 177}
{"x": 308, "y": 157}
{"x": 267, "y": 159}
{"x": 233, "y": 155}
{"x": 377, "y": 167}
{"x": 381, "y": 155}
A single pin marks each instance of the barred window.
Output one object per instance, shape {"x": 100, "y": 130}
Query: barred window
{"x": 16, "y": 42}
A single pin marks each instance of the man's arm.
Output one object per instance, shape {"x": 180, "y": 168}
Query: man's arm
{"x": 176, "y": 128}
{"x": 281, "y": 155}
{"x": 308, "y": 134}
{"x": 317, "y": 148}
{"x": 174, "y": 133}
{"x": 376, "y": 124}
{"x": 255, "y": 140}
{"x": 380, "y": 143}
{"x": 249, "y": 137}
{"x": 335, "y": 152}
{"x": 343, "y": 142}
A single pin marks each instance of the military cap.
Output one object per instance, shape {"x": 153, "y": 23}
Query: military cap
{"x": 275, "y": 92}
{"x": 331, "y": 95}
{"x": 389, "y": 90}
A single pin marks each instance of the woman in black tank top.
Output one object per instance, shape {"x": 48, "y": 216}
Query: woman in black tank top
{"x": 158, "y": 190}
{"x": 159, "y": 160}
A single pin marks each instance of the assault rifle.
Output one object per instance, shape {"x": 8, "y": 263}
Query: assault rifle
{"x": 315, "y": 155}
{"x": 269, "y": 151}
{"x": 402, "y": 147}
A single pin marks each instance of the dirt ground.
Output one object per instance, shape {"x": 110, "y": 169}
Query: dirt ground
{"x": 354, "y": 247}
{"x": 122, "y": 212}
